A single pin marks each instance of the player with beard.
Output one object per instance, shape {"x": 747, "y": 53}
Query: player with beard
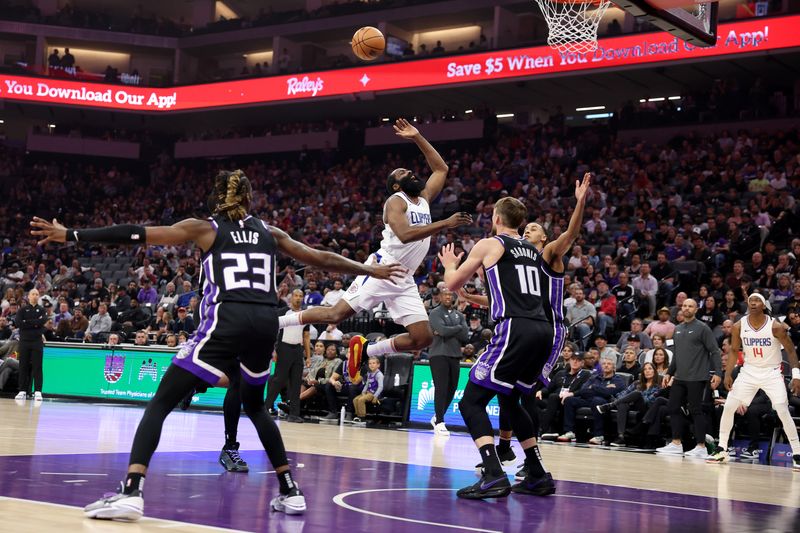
{"x": 406, "y": 240}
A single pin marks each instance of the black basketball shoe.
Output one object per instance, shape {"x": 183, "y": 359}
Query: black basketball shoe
{"x": 230, "y": 459}
{"x": 542, "y": 486}
{"x": 487, "y": 487}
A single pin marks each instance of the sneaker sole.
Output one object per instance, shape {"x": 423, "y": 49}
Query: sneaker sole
{"x": 491, "y": 493}
{"x": 545, "y": 491}
{"x": 239, "y": 469}
{"x": 616, "y": 445}
{"x": 290, "y": 509}
{"x": 124, "y": 513}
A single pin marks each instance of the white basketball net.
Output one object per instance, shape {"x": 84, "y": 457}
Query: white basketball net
{"x": 573, "y": 23}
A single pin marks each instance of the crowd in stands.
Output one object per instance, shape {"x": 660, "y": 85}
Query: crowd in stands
{"x": 714, "y": 218}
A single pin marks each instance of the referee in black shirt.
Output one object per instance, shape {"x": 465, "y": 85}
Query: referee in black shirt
{"x": 30, "y": 320}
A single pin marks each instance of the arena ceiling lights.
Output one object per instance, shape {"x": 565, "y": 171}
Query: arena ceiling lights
{"x": 748, "y": 36}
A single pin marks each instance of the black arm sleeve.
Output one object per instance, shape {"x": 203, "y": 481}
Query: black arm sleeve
{"x": 120, "y": 234}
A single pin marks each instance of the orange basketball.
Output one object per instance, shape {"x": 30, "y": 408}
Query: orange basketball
{"x": 368, "y": 43}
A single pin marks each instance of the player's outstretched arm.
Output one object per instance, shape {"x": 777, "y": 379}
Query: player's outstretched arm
{"x": 331, "y": 261}
{"x": 555, "y": 251}
{"x": 779, "y": 330}
{"x": 433, "y": 187}
{"x": 190, "y": 230}
{"x": 397, "y": 220}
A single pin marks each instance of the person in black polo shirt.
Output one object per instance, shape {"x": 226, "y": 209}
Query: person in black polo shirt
{"x": 696, "y": 355}
{"x": 30, "y": 320}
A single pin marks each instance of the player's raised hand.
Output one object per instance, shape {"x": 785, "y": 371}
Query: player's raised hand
{"x": 388, "y": 271}
{"x": 404, "y": 129}
{"x": 459, "y": 219}
{"x": 51, "y": 231}
{"x": 582, "y": 187}
{"x": 448, "y": 257}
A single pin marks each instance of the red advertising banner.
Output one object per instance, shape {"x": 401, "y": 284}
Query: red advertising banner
{"x": 752, "y": 35}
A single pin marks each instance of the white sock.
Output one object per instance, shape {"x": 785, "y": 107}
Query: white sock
{"x": 290, "y": 319}
{"x": 381, "y": 347}
{"x": 726, "y": 423}
{"x": 789, "y": 428}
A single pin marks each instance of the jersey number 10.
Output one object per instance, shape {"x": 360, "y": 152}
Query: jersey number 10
{"x": 528, "y": 280}
{"x": 258, "y": 266}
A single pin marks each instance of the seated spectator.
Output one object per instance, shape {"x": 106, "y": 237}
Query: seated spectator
{"x": 563, "y": 384}
{"x": 134, "y": 318}
{"x": 662, "y": 326}
{"x": 601, "y": 342}
{"x": 372, "y": 390}
{"x": 581, "y": 317}
{"x": 647, "y": 288}
{"x": 186, "y": 295}
{"x": 78, "y": 324}
{"x": 331, "y": 333}
{"x": 320, "y": 371}
{"x": 624, "y": 294}
{"x": 312, "y": 296}
{"x": 9, "y": 364}
{"x": 333, "y": 296}
{"x": 63, "y": 314}
{"x": 113, "y": 339}
{"x": 160, "y": 324}
{"x": 182, "y": 322}
{"x": 599, "y": 389}
{"x": 730, "y": 306}
{"x": 709, "y": 314}
{"x": 792, "y": 304}
{"x": 567, "y": 352}
{"x": 99, "y": 324}
{"x": 630, "y": 362}
{"x": 637, "y": 330}
{"x": 141, "y": 338}
{"x": 591, "y": 360}
{"x": 169, "y": 297}
{"x": 147, "y": 294}
{"x": 660, "y": 359}
{"x": 673, "y": 311}
{"x": 637, "y": 397}
{"x": 659, "y": 341}
{"x": 171, "y": 340}
{"x": 606, "y": 306}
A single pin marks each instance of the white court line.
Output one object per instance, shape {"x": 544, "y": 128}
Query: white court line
{"x": 70, "y": 474}
{"x": 76, "y": 480}
{"x": 266, "y": 472}
{"x": 190, "y": 475}
{"x": 155, "y": 522}
{"x": 339, "y": 500}
{"x": 633, "y": 503}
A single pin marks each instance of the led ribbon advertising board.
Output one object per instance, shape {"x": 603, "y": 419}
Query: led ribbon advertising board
{"x": 742, "y": 37}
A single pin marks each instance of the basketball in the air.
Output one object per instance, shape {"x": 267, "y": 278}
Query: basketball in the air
{"x": 368, "y": 43}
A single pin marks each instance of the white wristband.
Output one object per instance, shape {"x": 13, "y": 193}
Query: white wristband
{"x": 795, "y": 373}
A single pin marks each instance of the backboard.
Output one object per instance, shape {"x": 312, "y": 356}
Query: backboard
{"x": 693, "y": 22}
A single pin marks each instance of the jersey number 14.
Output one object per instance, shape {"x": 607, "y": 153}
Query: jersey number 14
{"x": 528, "y": 280}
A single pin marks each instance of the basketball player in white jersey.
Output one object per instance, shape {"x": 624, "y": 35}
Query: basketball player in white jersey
{"x": 406, "y": 240}
{"x": 760, "y": 337}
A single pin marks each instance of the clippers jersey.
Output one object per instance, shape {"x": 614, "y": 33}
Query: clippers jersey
{"x": 240, "y": 266}
{"x": 517, "y": 286}
{"x": 409, "y": 254}
{"x": 760, "y": 347}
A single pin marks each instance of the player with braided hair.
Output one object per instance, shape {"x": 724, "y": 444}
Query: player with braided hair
{"x": 237, "y": 330}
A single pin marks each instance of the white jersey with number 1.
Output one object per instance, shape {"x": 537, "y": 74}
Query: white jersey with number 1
{"x": 760, "y": 347}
